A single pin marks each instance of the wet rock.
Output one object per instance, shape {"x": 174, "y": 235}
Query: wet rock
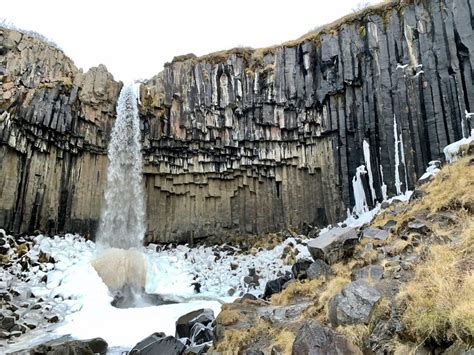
{"x": 185, "y": 323}
{"x": 334, "y": 245}
{"x": 275, "y": 286}
{"x": 353, "y": 304}
{"x": 7, "y": 322}
{"x": 157, "y": 343}
{"x": 201, "y": 334}
{"x": 64, "y": 346}
{"x": 369, "y": 272}
{"x": 252, "y": 279}
{"x": 375, "y": 233}
{"x": 318, "y": 269}
{"x": 299, "y": 269}
{"x": 315, "y": 339}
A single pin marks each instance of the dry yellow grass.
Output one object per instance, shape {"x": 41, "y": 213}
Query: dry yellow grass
{"x": 439, "y": 300}
{"x": 451, "y": 189}
{"x": 228, "y": 316}
{"x": 235, "y": 340}
{"x": 284, "y": 340}
{"x": 297, "y": 289}
{"x": 354, "y": 333}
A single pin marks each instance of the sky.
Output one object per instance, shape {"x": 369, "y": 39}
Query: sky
{"x": 134, "y": 39}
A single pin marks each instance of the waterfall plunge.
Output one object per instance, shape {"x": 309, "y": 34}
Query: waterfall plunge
{"x": 122, "y": 223}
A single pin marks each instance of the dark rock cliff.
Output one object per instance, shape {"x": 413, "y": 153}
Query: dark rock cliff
{"x": 242, "y": 141}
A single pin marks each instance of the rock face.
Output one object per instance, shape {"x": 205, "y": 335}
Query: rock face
{"x": 243, "y": 141}
{"x": 54, "y": 127}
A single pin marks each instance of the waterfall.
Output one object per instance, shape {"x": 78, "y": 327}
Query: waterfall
{"x": 122, "y": 222}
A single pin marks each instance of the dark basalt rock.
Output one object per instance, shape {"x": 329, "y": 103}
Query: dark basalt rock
{"x": 299, "y": 269}
{"x": 201, "y": 334}
{"x": 315, "y": 339}
{"x": 353, "y": 304}
{"x": 185, "y": 323}
{"x": 60, "y": 347}
{"x": 157, "y": 343}
{"x": 275, "y": 286}
{"x": 318, "y": 269}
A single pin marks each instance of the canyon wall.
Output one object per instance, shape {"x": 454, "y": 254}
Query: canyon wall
{"x": 242, "y": 141}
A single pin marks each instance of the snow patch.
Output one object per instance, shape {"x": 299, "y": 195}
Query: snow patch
{"x": 451, "y": 151}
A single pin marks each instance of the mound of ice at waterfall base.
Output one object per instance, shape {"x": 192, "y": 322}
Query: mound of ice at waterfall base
{"x": 119, "y": 267}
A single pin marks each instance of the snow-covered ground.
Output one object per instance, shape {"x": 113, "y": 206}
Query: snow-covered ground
{"x": 84, "y": 300}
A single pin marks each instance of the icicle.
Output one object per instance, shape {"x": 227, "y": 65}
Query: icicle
{"x": 402, "y": 152}
{"x": 366, "y": 148}
{"x": 397, "y": 157}
{"x": 468, "y": 115}
{"x": 359, "y": 193}
{"x": 383, "y": 187}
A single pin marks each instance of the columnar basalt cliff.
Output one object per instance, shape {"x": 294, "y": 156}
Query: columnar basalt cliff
{"x": 242, "y": 141}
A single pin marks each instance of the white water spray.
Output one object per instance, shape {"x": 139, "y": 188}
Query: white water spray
{"x": 122, "y": 223}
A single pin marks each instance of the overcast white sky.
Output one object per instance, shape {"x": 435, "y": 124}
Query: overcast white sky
{"x": 135, "y": 38}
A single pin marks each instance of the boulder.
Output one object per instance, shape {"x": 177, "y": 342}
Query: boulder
{"x": 313, "y": 338}
{"x": 158, "y": 343}
{"x": 370, "y": 272}
{"x": 59, "y": 346}
{"x": 318, "y": 269}
{"x": 353, "y": 304}
{"x": 6, "y": 322}
{"x": 300, "y": 267}
{"x": 185, "y": 323}
{"x": 334, "y": 245}
{"x": 375, "y": 233}
{"x": 275, "y": 286}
